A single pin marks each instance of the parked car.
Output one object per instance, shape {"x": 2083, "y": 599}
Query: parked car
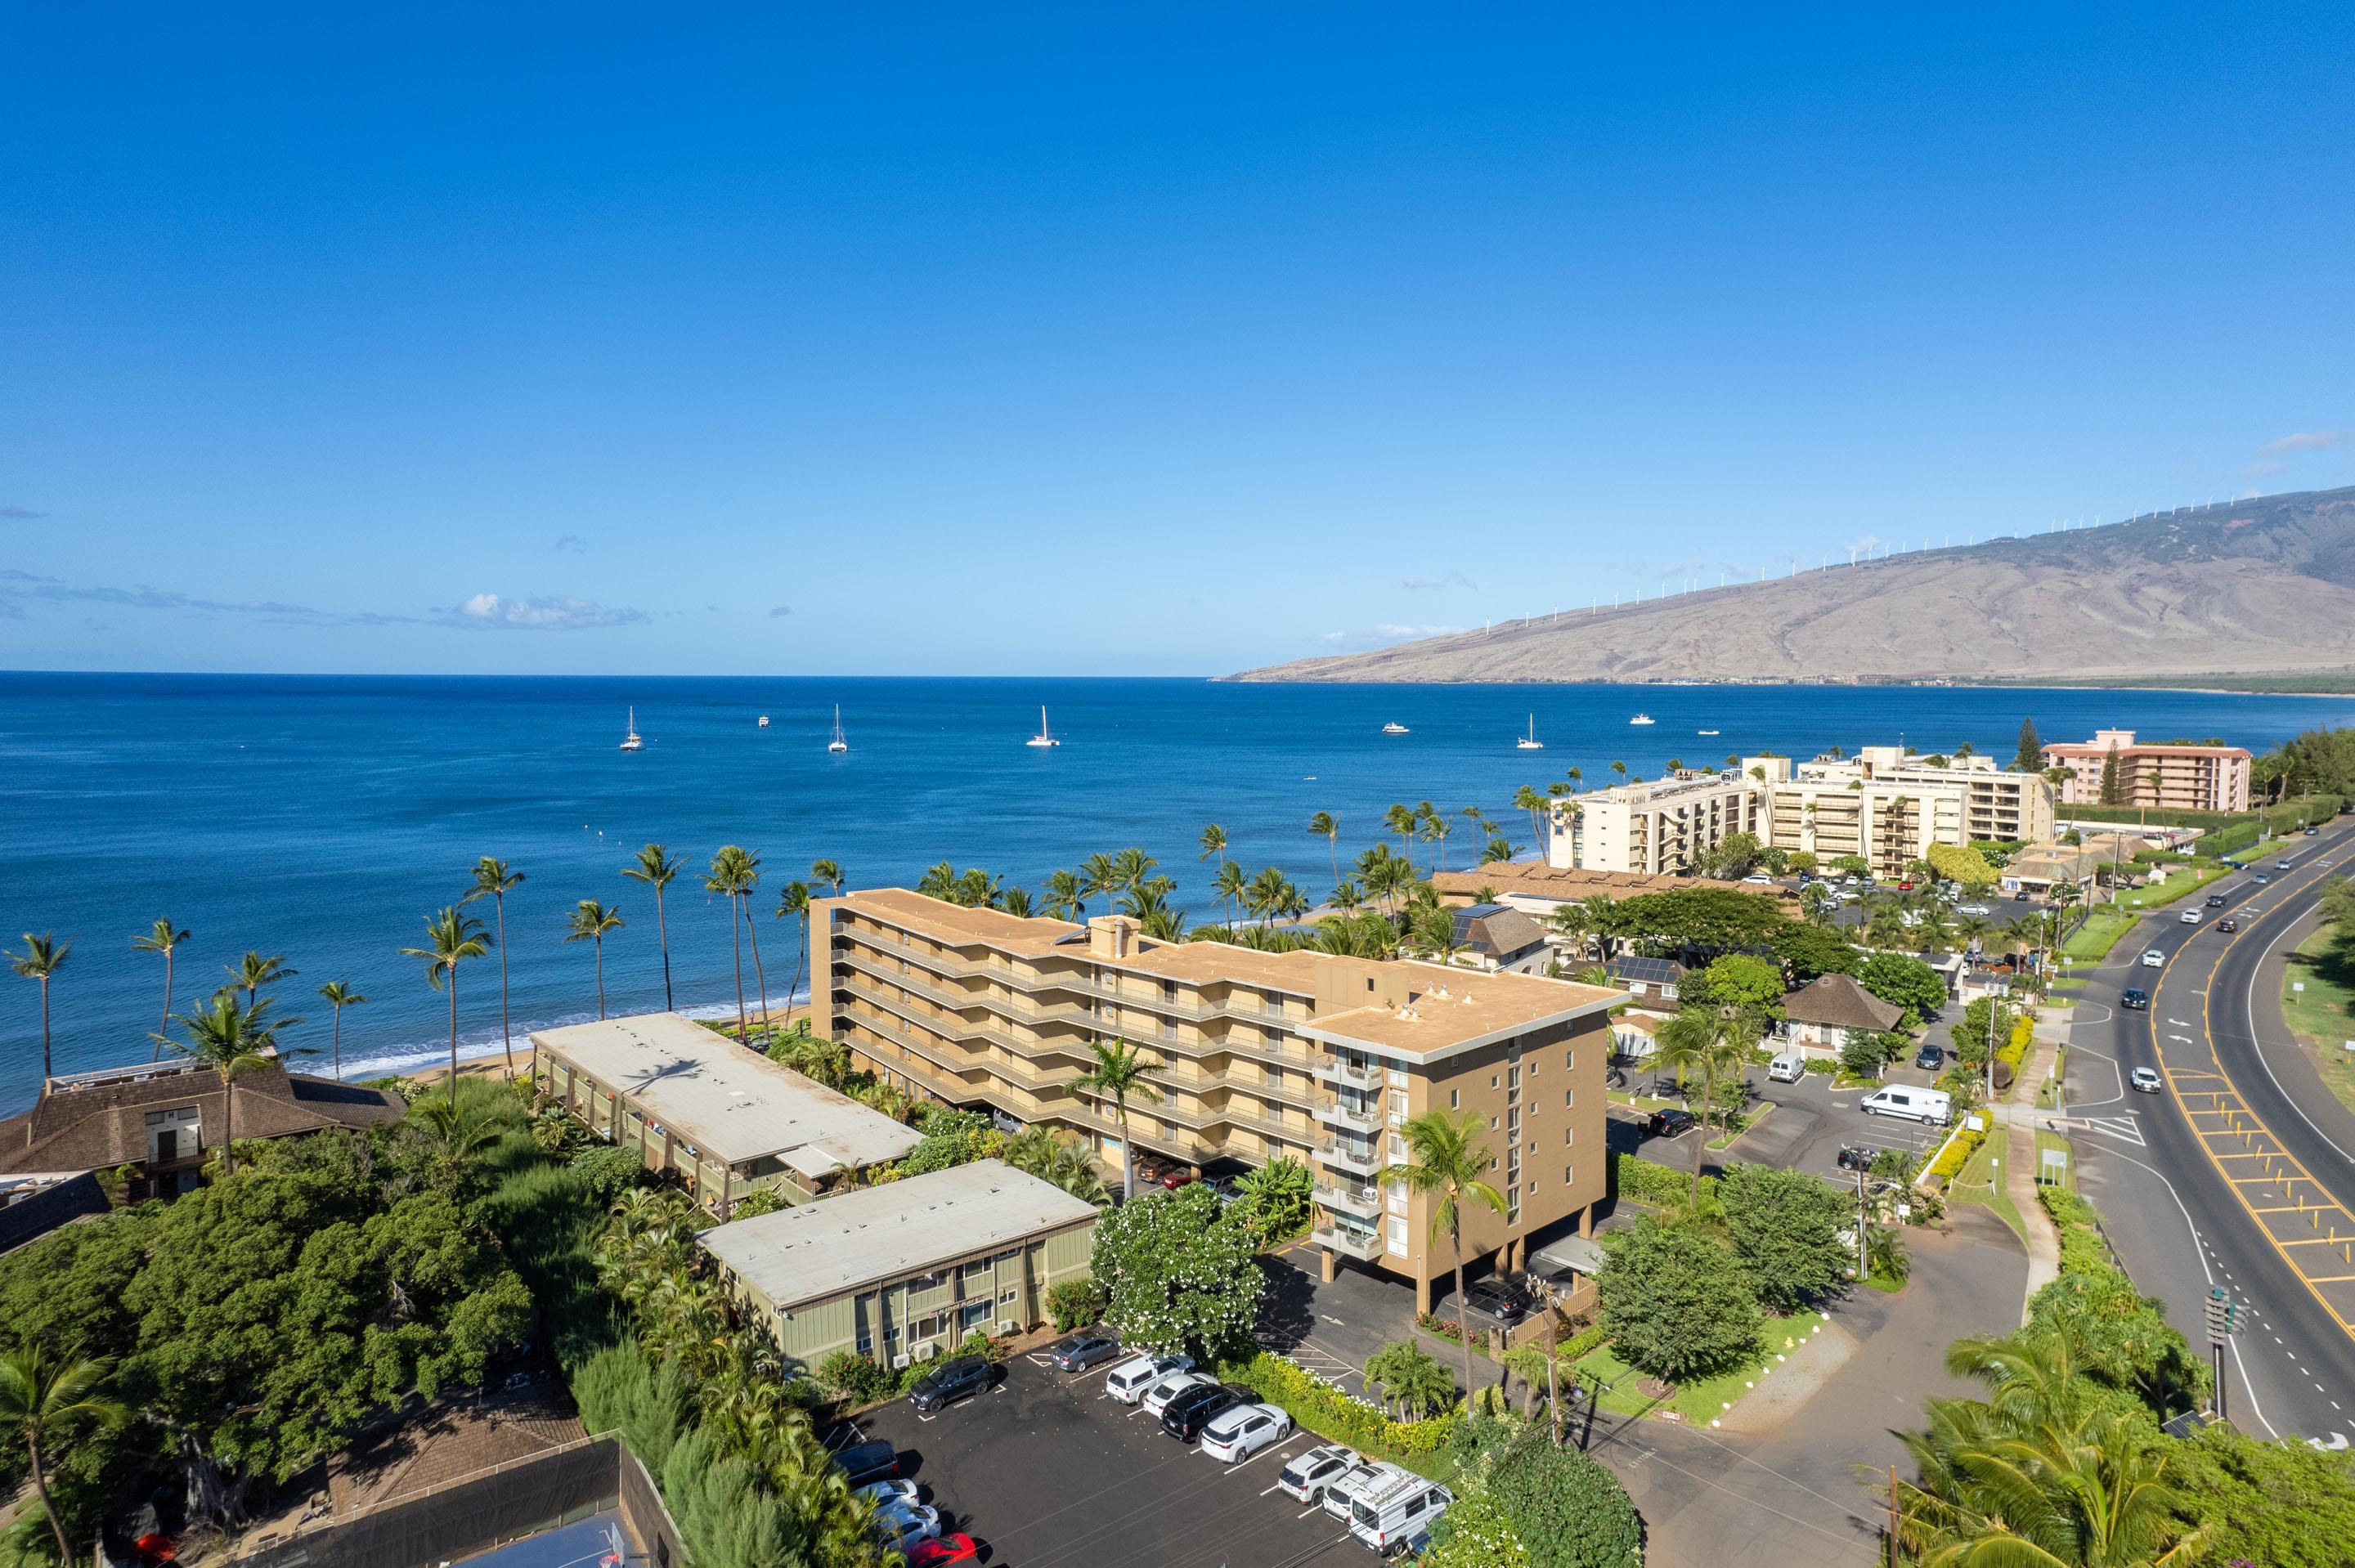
{"x": 1930, "y": 1107}
{"x": 1158, "y": 1398}
{"x": 944, "y": 1550}
{"x": 960, "y": 1378}
{"x": 2228, "y": 924}
{"x": 2215, "y": 901}
{"x": 1396, "y": 1508}
{"x": 1975, "y": 909}
{"x": 867, "y": 1462}
{"x": 1669, "y": 1123}
{"x": 1083, "y": 1350}
{"x": 1185, "y": 1416}
{"x": 1237, "y": 1432}
{"x": 2146, "y": 1080}
{"x": 2134, "y": 996}
{"x": 2153, "y": 959}
{"x": 1858, "y": 1156}
{"x": 1498, "y": 1300}
{"x": 1931, "y": 1057}
{"x": 885, "y": 1494}
{"x": 907, "y": 1525}
{"x": 1304, "y": 1478}
{"x": 1341, "y": 1491}
{"x": 2312, "y": 831}
{"x": 1127, "y": 1381}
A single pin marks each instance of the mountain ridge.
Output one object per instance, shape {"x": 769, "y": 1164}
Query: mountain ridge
{"x": 2265, "y": 587}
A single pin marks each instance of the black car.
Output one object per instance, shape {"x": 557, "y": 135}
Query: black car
{"x": 868, "y": 1462}
{"x": 2215, "y": 901}
{"x": 1670, "y": 1123}
{"x": 2135, "y": 997}
{"x": 1082, "y": 1352}
{"x": 2228, "y": 924}
{"x": 960, "y": 1378}
{"x": 1498, "y": 1299}
{"x": 1191, "y": 1411}
{"x": 1858, "y": 1156}
{"x": 1930, "y": 1058}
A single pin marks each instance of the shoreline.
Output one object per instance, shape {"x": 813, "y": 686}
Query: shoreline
{"x": 493, "y": 1066}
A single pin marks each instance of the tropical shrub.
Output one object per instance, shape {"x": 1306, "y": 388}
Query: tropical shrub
{"x": 1075, "y": 1304}
{"x": 1477, "y": 1532}
{"x": 1324, "y": 1409}
{"x": 1277, "y": 1199}
{"x": 1657, "y": 1185}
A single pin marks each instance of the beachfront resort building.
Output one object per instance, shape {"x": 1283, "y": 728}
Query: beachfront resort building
{"x": 906, "y": 1270}
{"x": 2174, "y": 774}
{"x": 1256, "y": 1057}
{"x": 727, "y": 1121}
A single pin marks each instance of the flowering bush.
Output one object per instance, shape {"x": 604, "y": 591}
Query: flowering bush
{"x": 1324, "y": 1408}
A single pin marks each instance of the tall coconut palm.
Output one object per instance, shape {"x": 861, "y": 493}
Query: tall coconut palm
{"x": 749, "y": 866}
{"x": 1230, "y": 886}
{"x": 1401, "y": 820}
{"x": 166, "y": 938}
{"x": 1118, "y": 1076}
{"x": 43, "y": 956}
{"x": 794, "y": 903}
{"x": 452, "y": 937}
{"x": 254, "y": 971}
{"x": 1099, "y": 875}
{"x": 44, "y": 1400}
{"x": 830, "y": 873}
{"x": 726, "y": 878}
{"x": 658, "y": 868}
{"x": 593, "y": 922}
{"x": 339, "y": 996}
{"x": 1527, "y": 799}
{"x": 1214, "y": 842}
{"x": 1436, "y": 827}
{"x": 233, "y": 1039}
{"x": 1324, "y": 823}
{"x": 494, "y": 881}
{"x": 1711, "y": 1043}
{"x": 1067, "y": 897}
{"x": 1445, "y": 1161}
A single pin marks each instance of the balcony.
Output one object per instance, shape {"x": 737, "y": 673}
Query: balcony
{"x": 1364, "y": 1158}
{"x": 1362, "y": 1117}
{"x": 1363, "y": 1245}
{"x": 1355, "y": 1200}
{"x": 1331, "y": 1070}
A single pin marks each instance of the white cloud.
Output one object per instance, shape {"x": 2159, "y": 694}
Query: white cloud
{"x": 1452, "y": 580}
{"x": 550, "y": 612}
{"x": 1384, "y": 633}
{"x": 572, "y": 545}
{"x": 20, "y": 513}
{"x": 2305, "y": 441}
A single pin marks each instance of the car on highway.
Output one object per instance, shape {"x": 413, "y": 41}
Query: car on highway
{"x": 2193, "y": 917}
{"x": 960, "y": 1378}
{"x": 2282, "y": 866}
{"x": 2134, "y": 996}
{"x": 2145, "y": 1080}
{"x": 1237, "y": 1432}
{"x": 1669, "y": 1123}
{"x": 1304, "y": 1478}
{"x": 945, "y": 1549}
{"x": 2312, "y": 831}
{"x": 1930, "y": 1058}
{"x": 2154, "y": 959}
{"x": 2215, "y": 901}
{"x": 1082, "y": 1352}
{"x": 2228, "y": 924}
{"x": 2260, "y": 879}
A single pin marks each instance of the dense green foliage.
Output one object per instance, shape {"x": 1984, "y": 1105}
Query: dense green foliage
{"x": 1563, "y": 1507}
{"x": 1810, "y": 952}
{"x": 1178, "y": 1273}
{"x": 1675, "y": 1303}
{"x": 1784, "y": 1226}
{"x": 1318, "y": 1407}
{"x": 1276, "y": 1200}
{"x": 1743, "y": 983}
{"x": 2281, "y": 1504}
{"x": 1696, "y": 918}
{"x": 1903, "y": 982}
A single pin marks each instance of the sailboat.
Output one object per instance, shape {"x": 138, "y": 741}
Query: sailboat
{"x": 838, "y": 743}
{"x": 1043, "y": 737}
{"x": 632, "y": 741}
{"x": 1531, "y": 742}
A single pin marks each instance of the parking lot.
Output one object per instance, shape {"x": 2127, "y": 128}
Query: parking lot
{"x": 1048, "y": 1472}
{"x": 1810, "y": 1121}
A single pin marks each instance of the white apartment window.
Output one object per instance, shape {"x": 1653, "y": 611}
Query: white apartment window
{"x": 1455, "y": 1099}
{"x": 1569, "y": 1098}
{"x": 1567, "y": 1180}
{"x": 1567, "y": 1136}
{"x": 1006, "y": 1298}
{"x": 1492, "y": 1124}
{"x": 1570, "y": 1060}
{"x": 1492, "y": 1080}
{"x": 1533, "y": 1189}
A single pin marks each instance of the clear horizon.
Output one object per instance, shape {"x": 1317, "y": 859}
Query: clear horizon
{"x": 573, "y": 342}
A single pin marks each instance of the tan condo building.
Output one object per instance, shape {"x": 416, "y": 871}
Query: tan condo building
{"x": 1257, "y": 1056}
{"x": 2176, "y": 778}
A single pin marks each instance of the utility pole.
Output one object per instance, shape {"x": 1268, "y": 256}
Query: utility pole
{"x": 1862, "y": 1266}
{"x": 2226, "y": 1318}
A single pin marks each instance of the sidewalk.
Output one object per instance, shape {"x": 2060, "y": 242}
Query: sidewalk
{"x": 2018, "y": 1116}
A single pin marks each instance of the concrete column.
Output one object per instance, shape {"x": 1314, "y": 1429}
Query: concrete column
{"x": 1586, "y": 1221}
{"x": 1330, "y": 1264}
{"x": 1422, "y": 1293}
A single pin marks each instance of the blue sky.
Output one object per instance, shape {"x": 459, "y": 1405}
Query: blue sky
{"x": 1012, "y": 340}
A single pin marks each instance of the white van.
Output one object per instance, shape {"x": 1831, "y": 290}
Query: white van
{"x": 1341, "y": 1491}
{"x": 1133, "y": 1377}
{"x": 1395, "y": 1509}
{"x": 1931, "y": 1106}
{"x": 1788, "y": 1068}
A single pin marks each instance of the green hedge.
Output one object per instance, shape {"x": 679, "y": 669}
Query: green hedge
{"x": 2083, "y": 1250}
{"x": 1661, "y": 1186}
{"x": 2290, "y": 813}
{"x": 1958, "y": 1153}
{"x": 1325, "y": 1410}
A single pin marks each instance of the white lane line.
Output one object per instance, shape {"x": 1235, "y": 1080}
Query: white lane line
{"x": 2250, "y": 1002}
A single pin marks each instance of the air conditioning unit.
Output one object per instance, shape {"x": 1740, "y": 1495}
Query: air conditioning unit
{"x": 900, "y": 1361}
{"x": 1008, "y": 1326}
{"x": 928, "y": 1350}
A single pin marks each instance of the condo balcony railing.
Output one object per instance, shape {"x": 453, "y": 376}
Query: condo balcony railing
{"x": 1332, "y": 1070}
{"x": 1354, "y": 1199}
{"x": 1365, "y": 1116}
{"x": 1342, "y": 1154}
{"x": 1363, "y": 1245}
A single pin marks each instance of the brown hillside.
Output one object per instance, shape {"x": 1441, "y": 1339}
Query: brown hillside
{"x": 2261, "y": 587}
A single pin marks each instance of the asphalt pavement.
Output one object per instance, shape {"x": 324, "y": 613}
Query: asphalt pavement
{"x": 2236, "y": 1176}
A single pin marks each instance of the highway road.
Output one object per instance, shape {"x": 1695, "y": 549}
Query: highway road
{"x": 2240, "y": 1172}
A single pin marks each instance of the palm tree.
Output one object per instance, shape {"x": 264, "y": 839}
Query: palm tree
{"x": 593, "y": 922}
{"x": 162, "y": 937}
{"x": 43, "y": 955}
{"x": 1214, "y": 842}
{"x": 452, "y": 937}
{"x": 1118, "y": 1076}
{"x": 254, "y": 971}
{"x": 1711, "y": 1042}
{"x": 1230, "y": 886}
{"x": 748, "y": 865}
{"x": 830, "y": 873}
{"x": 1099, "y": 876}
{"x": 793, "y": 901}
{"x": 339, "y": 996}
{"x": 493, "y": 880}
{"x": 1527, "y": 799}
{"x": 1067, "y": 897}
{"x": 1326, "y": 823}
{"x": 1445, "y": 1160}
{"x": 657, "y": 868}
{"x": 726, "y": 878}
{"x": 233, "y": 1039}
{"x": 42, "y": 1400}
{"x": 1345, "y": 896}
{"x": 1402, "y": 821}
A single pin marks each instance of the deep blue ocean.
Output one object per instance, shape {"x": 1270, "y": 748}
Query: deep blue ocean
{"x": 323, "y": 817}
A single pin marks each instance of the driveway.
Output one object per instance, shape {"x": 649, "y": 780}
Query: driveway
{"x": 1811, "y": 1119}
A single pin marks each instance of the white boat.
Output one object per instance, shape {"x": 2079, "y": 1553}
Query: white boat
{"x": 764, "y": 721}
{"x": 1705, "y": 732}
{"x": 633, "y": 741}
{"x": 1043, "y": 737}
{"x": 838, "y": 743}
{"x": 1641, "y": 718}
{"x": 1531, "y": 742}
{"x": 1394, "y": 728}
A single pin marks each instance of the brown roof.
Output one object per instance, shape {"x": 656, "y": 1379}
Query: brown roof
{"x": 444, "y": 1442}
{"x": 87, "y": 1121}
{"x": 1539, "y": 879}
{"x": 1838, "y": 1002}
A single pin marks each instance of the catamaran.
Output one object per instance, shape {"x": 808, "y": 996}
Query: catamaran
{"x": 1043, "y": 737}
{"x": 633, "y": 741}
{"x": 838, "y": 743}
{"x": 1531, "y": 742}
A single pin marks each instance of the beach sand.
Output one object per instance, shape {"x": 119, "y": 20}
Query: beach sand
{"x": 495, "y": 1066}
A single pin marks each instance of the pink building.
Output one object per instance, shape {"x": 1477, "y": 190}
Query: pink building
{"x": 2180, "y": 777}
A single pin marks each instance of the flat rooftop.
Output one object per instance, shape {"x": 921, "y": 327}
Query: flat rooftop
{"x": 864, "y": 1236}
{"x": 1540, "y": 879}
{"x": 724, "y": 1099}
{"x": 1450, "y": 1011}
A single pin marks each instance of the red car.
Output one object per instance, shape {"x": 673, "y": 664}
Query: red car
{"x": 957, "y": 1548}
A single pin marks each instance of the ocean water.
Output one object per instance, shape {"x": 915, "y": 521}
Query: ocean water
{"x": 323, "y": 817}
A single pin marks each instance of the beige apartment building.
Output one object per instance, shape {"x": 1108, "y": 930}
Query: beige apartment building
{"x": 2176, "y": 778}
{"x": 1257, "y": 1056}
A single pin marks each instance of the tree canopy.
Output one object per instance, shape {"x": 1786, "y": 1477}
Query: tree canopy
{"x": 1903, "y": 982}
{"x": 1675, "y": 1303}
{"x": 1812, "y": 952}
{"x": 1178, "y": 1273}
{"x": 1711, "y": 920}
{"x": 1784, "y": 1226}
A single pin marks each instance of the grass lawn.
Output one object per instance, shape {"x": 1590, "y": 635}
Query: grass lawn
{"x": 2175, "y": 887}
{"x": 2045, "y": 1140}
{"x": 1978, "y": 1182}
{"x": 1699, "y": 1402}
{"x": 1750, "y": 1119}
{"x": 2323, "y": 1015}
{"x": 2093, "y": 941}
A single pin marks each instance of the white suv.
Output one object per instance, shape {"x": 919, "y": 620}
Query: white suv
{"x": 1236, "y": 1434}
